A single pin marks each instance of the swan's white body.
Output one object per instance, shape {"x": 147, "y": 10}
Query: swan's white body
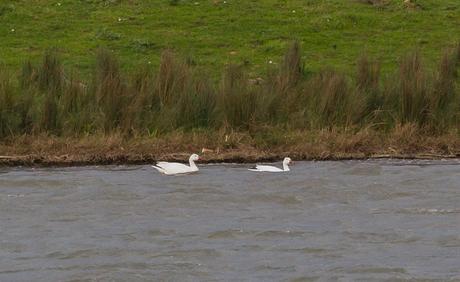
{"x": 177, "y": 168}
{"x": 269, "y": 168}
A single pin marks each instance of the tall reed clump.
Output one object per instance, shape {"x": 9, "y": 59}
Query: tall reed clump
{"x": 368, "y": 85}
{"x": 77, "y": 107}
{"x": 172, "y": 78}
{"x": 7, "y": 103}
{"x": 443, "y": 108}
{"x": 27, "y": 106}
{"x": 413, "y": 91}
{"x": 109, "y": 90}
{"x": 329, "y": 102}
{"x": 292, "y": 68}
{"x": 180, "y": 96}
{"x": 174, "y": 97}
{"x": 50, "y": 82}
{"x": 278, "y": 100}
{"x": 196, "y": 104}
{"x": 144, "y": 102}
{"x": 171, "y": 82}
{"x": 236, "y": 101}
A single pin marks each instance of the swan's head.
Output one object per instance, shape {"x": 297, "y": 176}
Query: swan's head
{"x": 287, "y": 160}
{"x": 194, "y": 157}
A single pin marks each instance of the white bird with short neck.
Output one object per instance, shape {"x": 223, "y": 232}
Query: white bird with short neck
{"x": 177, "y": 168}
{"x": 269, "y": 168}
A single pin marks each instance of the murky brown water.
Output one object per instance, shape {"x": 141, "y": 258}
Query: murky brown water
{"x": 326, "y": 221}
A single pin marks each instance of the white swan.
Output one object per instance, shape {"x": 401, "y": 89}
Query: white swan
{"x": 177, "y": 168}
{"x": 269, "y": 168}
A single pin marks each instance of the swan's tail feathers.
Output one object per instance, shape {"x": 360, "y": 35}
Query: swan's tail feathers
{"x": 159, "y": 169}
{"x": 255, "y": 168}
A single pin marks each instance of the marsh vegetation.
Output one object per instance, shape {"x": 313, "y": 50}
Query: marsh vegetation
{"x": 46, "y": 98}
{"x": 286, "y": 107}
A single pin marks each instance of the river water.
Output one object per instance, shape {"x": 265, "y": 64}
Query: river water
{"x": 324, "y": 221}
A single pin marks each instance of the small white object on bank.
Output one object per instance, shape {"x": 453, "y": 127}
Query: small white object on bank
{"x": 269, "y": 168}
{"x": 177, "y": 168}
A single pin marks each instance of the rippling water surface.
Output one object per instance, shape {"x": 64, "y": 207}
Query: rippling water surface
{"x": 323, "y": 221}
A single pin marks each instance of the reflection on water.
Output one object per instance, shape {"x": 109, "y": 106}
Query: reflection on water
{"x": 346, "y": 221}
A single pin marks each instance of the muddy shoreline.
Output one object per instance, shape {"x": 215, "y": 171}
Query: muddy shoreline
{"x": 36, "y": 151}
{"x": 234, "y": 157}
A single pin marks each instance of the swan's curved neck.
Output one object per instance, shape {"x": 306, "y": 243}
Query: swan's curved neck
{"x": 285, "y": 167}
{"x": 192, "y": 164}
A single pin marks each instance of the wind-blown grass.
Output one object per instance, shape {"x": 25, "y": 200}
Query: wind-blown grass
{"x": 180, "y": 97}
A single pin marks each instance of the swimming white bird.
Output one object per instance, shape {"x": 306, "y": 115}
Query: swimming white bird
{"x": 177, "y": 168}
{"x": 269, "y": 168}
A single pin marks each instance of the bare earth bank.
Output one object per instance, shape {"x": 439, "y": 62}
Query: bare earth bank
{"x": 225, "y": 147}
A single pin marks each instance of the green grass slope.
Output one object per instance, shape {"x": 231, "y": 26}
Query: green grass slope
{"x": 217, "y": 32}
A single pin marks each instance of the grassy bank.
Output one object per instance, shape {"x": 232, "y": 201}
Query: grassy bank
{"x": 51, "y": 116}
{"x": 218, "y": 32}
{"x": 179, "y": 76}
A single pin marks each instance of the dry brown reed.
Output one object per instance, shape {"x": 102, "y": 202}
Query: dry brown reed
{"x": 178, "y": 97}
